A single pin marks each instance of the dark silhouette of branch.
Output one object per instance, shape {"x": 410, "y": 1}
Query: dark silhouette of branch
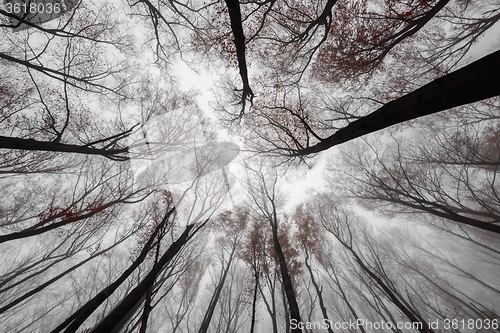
{"x": 474, "y": 82}
{"x": 390, "y": 42}
{"x": 239, "y": 41}
{"x": 116, "y": 316}
{"x": 74, "y": 321}
{"x": 110, "y": 150}
{"x": 61, "y": 76}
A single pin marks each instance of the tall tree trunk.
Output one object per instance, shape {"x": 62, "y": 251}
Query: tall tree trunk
{"x": 254, "y": 301}
{"x": 149, "y": 293}
{"x": 287, "y": 280}
{"x": 472, "y": 83}
{"x": 80, "y": 315}
{"x": 116, "y": 316}
{"x": 215, "y": 297}
{"x": 318, "y": 290}
{"x": 271, "y": 308}
{"x": 285, "y": 308}
{"x": 234, "y": 9}
{"x": 388, "y": 292}
{"x": 147, "y": 309}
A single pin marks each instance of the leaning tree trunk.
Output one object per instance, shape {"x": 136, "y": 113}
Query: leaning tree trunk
{"x": 423, "y": 327}
{"x": 254, "y": 301}
{"x": 318, "y": 290}
{"x": 446, "y": 212}
{"x": 215, "y": 297}
{"x": 130, "y": 302}
{"x": 474, "y": 82}
{"x": 149, "y": 293}
{"x": 79, "y": 316}
{"x": 44, "y": 226}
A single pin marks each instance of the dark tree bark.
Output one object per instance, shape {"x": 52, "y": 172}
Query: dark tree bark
{"x": 474, "y": 82}
{"x": 215, "y": 297}
{"x": 265, "y": 200}
{"x": 285, "y": 275}
{"x": 234, "y": 9}
{"x": 254, "y": 301}
{"x": 318, "y": 290}
{"x": 149, "y": 293}
{"x": 118, "y": 154}
{"x": 324, "y": 19}
{"x": 76, "y": 319}
{"x": 147, "y": 309}
{"x": 116, "y": 316}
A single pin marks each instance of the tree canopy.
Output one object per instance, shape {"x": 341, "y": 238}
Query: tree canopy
{"x": 341, "y": 175}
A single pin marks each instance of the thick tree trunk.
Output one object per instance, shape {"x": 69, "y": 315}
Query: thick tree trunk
{"x": 285, "y": 308}
{"x": 472, "y": 83}
{"x": 147, "y": 309}
{"x": 134, "y": 297}
{"x": 234, "y": 9}
{"x": 80, "y": 315}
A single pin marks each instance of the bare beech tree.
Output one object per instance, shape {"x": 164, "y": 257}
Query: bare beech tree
{"x": 113, "y": 178}
{"x": 264, "y": 195}
{"x": 233, "y": 227}
{"x": 339, "y": 223}
{"x": 254, "y": 255}
{"x": 435, "y": 177}
{"x": 312, "y": 242}
{"x": 466, "y": 85}
{"x": 392, "y": 258}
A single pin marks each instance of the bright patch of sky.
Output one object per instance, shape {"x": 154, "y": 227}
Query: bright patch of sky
{"x": 201, "y": 82}
{"x": 487, "y": 44}
{"x": 297, "y": 185}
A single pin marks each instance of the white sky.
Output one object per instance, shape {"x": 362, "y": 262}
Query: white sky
{"x": 487, "y": 44}
{"x": 190, "y": 80}
{"x": 296, "y": 187}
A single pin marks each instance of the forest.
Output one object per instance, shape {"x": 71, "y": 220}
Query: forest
{"x": 227, "y": 166}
